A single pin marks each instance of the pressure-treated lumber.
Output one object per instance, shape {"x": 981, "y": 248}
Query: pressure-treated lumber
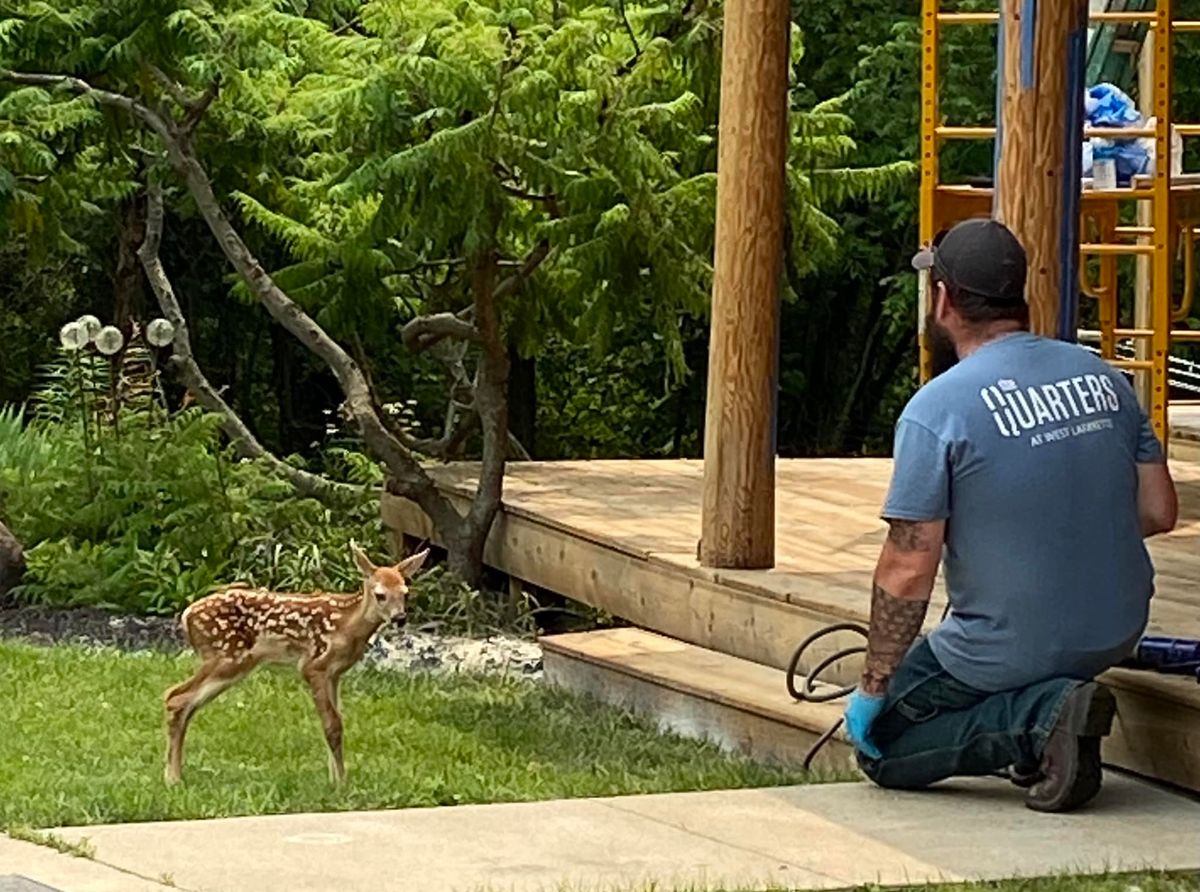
{"x": 741, "y": 706}
{"x": 619, "y": 535}
{"x": 739, "y": 442}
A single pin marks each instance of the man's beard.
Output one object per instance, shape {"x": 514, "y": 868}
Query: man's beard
{"x": 942, "y": 354}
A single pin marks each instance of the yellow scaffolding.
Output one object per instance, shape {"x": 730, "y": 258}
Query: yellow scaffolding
{"x": 1175, "y": 206}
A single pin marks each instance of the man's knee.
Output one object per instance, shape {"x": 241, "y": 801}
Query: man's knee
{"x": 888, "y": 774}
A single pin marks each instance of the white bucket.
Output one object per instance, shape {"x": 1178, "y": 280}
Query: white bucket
{"x": 1104, "y": 173}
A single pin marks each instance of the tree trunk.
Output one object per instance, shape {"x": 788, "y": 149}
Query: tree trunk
{"x": 12, "y": 562}
{"x": 129, "y": 296}
{"x": 491, "y": 403}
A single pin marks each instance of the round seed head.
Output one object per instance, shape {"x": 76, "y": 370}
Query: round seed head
{"x": 90, "y": 324}
{"x": 73, "y": 336}
{"x": 160, "y": 332}
{"x": 109, "y": 340}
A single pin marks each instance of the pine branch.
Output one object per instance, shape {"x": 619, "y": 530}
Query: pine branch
{"x": 190, "y": 373}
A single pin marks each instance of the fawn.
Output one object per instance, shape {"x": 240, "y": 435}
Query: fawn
{"x": 235, "y": 629}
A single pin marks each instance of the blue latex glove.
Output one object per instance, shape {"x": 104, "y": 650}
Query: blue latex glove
{"x": 861, "y": 712}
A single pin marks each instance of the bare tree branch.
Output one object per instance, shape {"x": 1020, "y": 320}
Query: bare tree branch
{"x": 168, "y": 83}
{"x": 529, "y": 265}
{"x": 538, "y": 197}
{"x": 637, "y": 49}
{"x": 190, "y": 373}
{"x": 193, "y": 109}
{"x": 197, "y": 109}
{"x": 408, "y": 477}
{"x": 517, "y": 448}
{"x": 425, "y": 331}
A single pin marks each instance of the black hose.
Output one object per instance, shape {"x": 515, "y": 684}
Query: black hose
{"x": 806, "y": 692}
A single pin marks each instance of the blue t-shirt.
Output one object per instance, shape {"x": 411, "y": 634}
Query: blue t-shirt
{"x": 1028, "y": 448}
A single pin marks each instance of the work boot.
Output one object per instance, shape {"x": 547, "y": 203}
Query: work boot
{"x": 1071, "y": 771}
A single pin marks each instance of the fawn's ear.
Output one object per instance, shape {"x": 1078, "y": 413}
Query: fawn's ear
{"x": 411, "y": 565}
{"x": 361, "y": 559}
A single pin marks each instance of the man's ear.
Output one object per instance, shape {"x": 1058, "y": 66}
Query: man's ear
{"x": 361, "y": 560}
{"x": 941, "y": 301}
{"x": 409, "y": 566}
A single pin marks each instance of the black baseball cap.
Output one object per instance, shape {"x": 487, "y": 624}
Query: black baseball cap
{"x": 981, "y": 256}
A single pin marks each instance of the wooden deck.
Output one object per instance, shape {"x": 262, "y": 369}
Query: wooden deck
{"x": 622, "y": 535}
{"x": 1185, "y": 430}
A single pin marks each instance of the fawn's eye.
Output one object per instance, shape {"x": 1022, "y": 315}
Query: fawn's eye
{"x": 380, "y": 593}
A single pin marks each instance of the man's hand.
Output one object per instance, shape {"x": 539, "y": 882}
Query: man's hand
{"x": 900, "y": 597}
{"x": 861, "y": 712}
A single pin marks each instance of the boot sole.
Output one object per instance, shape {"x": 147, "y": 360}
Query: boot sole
{"x": 1088, "y": 715}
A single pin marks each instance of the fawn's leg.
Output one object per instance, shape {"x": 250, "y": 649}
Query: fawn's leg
{"x": 183, "y": 701}
{"x": 323, "y": 685}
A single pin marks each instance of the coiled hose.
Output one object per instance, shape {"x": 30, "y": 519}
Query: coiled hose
{"x": 806, "y": 691}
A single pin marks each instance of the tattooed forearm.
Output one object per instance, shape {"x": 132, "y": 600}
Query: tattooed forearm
{"x": 909, "y": 535}
{"x": 895, "y": 625}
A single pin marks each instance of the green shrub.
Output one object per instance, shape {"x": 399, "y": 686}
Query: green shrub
{"x": 135, "y": 510}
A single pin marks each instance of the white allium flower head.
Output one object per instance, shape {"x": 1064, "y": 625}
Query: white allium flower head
{"x": 91, "y": 325}
{"x": 73, "y": 336}
{"x": 109, "y": 340}
{"x": 160, "y": 332}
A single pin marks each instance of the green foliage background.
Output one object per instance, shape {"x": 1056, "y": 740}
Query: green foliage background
{"x": 366, "y": 149}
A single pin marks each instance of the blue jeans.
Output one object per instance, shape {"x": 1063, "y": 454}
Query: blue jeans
{"x": 935, "y": 727}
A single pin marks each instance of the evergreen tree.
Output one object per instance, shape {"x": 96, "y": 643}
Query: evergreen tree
{"x": 475, "y": 175}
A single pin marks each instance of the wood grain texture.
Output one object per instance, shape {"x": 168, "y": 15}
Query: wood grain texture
{"x": 739, "y": 444}
{"x": 739, "y": 705}
{"x": 1029, "y": 193}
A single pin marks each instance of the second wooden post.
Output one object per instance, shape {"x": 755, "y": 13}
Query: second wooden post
{"x": 1040, "y": 143}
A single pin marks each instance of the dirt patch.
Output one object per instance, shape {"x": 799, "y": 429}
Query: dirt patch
{"x": 401, "y": 650}
{"x": 91, "y": 626}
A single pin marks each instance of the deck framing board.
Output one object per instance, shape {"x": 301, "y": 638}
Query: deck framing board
{"x": 620, "y": 536}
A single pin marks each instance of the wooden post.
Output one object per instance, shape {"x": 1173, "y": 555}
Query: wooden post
{"x": 1040, "y": 141}
{"x": 738, "y": 529}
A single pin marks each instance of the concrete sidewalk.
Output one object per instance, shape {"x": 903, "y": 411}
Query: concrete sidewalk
{"x": 24, "y": 867}
{"x": 817, "y": 837}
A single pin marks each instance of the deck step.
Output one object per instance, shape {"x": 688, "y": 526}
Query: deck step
{"x": 741, "y": 706}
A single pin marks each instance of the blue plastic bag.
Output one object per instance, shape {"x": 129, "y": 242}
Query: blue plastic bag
{"x": 1106, "y": 105}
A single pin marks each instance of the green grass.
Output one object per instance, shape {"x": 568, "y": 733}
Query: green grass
{"x": 1135, "y": 882}
{"x": 81, "y": 742}
{"x": 1147, "y": 881}
{"x": 81, "y": 849}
